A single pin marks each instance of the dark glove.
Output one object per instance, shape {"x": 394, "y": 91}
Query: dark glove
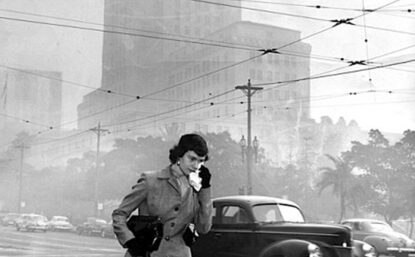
{"x": 134, "y": 248}
{"x": 205, "y": 175}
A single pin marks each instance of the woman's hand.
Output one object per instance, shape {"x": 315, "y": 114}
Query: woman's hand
{"x": 205, "y": 175}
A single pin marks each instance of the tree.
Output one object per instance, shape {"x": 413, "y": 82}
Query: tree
{"x": 228, "y": 172}
{"x": 342, "y": 180}
{"x": 378, "y": 161}
{"x": 405, "y": 163}
{"x": 171, "y": 132}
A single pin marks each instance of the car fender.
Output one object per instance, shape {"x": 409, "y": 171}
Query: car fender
{"x": 380, "y": 243}
{"x": 288, "y": 248}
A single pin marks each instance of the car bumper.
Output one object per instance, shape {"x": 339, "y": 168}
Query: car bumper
{"x": 62, "y": 228}
{"x": 398, "y": 251}
{"x": 36, "y": 227}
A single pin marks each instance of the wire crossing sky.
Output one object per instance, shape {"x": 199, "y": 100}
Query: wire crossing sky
{"x": 344, "y": 35}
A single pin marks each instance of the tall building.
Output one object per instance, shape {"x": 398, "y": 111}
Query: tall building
{"x": 183, "y": 60}
{"x": 30, "y": 96}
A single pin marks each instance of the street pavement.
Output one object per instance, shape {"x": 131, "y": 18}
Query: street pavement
{"x": 51, "y": 244}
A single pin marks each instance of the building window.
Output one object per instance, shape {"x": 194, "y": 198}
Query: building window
{"x": 276, "y": 76}
{"x": 276, "y": 59}
{"x": 270, "y": 95}
{"x": 252, "y": 73}
{"x": 259, "y": 75}
{"x": 286, "y": 60}
{"x": 270, "y": 58}
{"x": 269, "y": 75}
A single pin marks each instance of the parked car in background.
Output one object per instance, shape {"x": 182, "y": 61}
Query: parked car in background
{"x": 259, "y": 226}
{"x": 108, "y": 231}
{"x": 381, "y": 236}
{"x": 60, "y": 223}
{"x": 92, "y": 226}
{"x": 32, "y": 222}
{"x": 9, "y": 219}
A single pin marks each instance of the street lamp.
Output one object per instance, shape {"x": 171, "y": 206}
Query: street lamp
{"x": 246, "y": 148}
{"x": 242, "y": 143}
{"x": 255, "y": 143}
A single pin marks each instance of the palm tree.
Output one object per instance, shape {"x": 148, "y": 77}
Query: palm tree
{"x": 341, "y": 179}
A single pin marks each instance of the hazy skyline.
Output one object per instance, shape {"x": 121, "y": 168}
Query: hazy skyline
{"x": 77, "y": 53}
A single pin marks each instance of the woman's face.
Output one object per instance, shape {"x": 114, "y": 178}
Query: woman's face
{"x": 191, "y": 161}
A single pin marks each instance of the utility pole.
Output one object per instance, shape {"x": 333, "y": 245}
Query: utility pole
{"x": 98, "y": 130}
{"x": 249, "y": 91}
{"x": 22, "y": 147}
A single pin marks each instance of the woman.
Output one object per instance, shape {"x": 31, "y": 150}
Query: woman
{"x": 175, "y": 194}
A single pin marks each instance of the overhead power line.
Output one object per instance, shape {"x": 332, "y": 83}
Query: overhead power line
{"x": 0, "y": 17}
{"x": 107, "y": 25}
{"x": 336, "y": 74}
{"x": 262, "y": 10}
{"x": 125, "y": 33}
{"x": 174, "y": 110}
{"x": 320, "y": 6}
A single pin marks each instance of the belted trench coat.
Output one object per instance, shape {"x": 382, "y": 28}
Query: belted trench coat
{"x": 159, "y": 193}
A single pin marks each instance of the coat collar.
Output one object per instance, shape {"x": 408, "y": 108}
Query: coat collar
{"x": 167, "y": 173}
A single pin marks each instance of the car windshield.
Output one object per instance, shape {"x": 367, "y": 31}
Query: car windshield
{"x": 36, "y": 218}
{"x": 102, "y": 222}
{"x": 378, "y": 227}
{"x": 277, "y": 213}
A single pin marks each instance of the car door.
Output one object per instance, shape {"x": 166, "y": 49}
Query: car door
{"x": 206, "y": 244}
{"x": 234, "y": 232}
{"x": 358, "y": 230}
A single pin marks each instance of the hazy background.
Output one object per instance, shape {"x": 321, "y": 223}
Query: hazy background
{"x": 77, "y": 53}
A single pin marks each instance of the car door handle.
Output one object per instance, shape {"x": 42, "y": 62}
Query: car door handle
{"x": 217, "y": 235}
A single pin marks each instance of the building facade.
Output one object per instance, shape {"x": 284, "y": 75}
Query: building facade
{"x": 179, "y": 62}
{"x": 31, "y": 97}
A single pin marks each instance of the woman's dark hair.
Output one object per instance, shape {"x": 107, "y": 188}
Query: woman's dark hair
{"x": 189, "y": 142}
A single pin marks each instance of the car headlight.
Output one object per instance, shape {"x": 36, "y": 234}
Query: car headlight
{"x": 314, "y": 250}
{"x": 368, "y": 250}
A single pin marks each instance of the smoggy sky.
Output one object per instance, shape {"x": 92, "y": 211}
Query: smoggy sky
{"x": 389, "y": 31}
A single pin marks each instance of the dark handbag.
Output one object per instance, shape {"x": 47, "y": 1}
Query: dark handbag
{"x": 148, "y": 230}
{"x": 190, "y": 234}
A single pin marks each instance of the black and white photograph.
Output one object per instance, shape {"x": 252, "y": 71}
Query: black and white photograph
{"x": 207, "y": 128}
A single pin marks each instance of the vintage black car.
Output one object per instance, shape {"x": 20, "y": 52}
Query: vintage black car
{"x": 381, "y": 236}
{"x": 259, "y": 226}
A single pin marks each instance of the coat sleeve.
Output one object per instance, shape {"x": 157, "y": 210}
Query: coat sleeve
{"x": 204, "y": 215}
{"x": 130, "y": 203}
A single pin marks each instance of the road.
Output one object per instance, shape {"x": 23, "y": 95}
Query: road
{"x": 51, "y": 244}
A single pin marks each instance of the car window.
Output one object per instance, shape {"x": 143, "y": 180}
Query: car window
{"x": 291, "y": 213}
{"x": 234, "y": 215}
{"x": 353, "y": 226}
{"x": 277, "y": 213}
{"x": 214, "y": 216}
{"x": 60, "y": 219}
{"x": 267, "y": 213}
{"x": 377, "y": 227}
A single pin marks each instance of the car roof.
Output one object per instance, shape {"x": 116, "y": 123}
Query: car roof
{"x": 254, "y": 199}
{"x": 59, "y": 217}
